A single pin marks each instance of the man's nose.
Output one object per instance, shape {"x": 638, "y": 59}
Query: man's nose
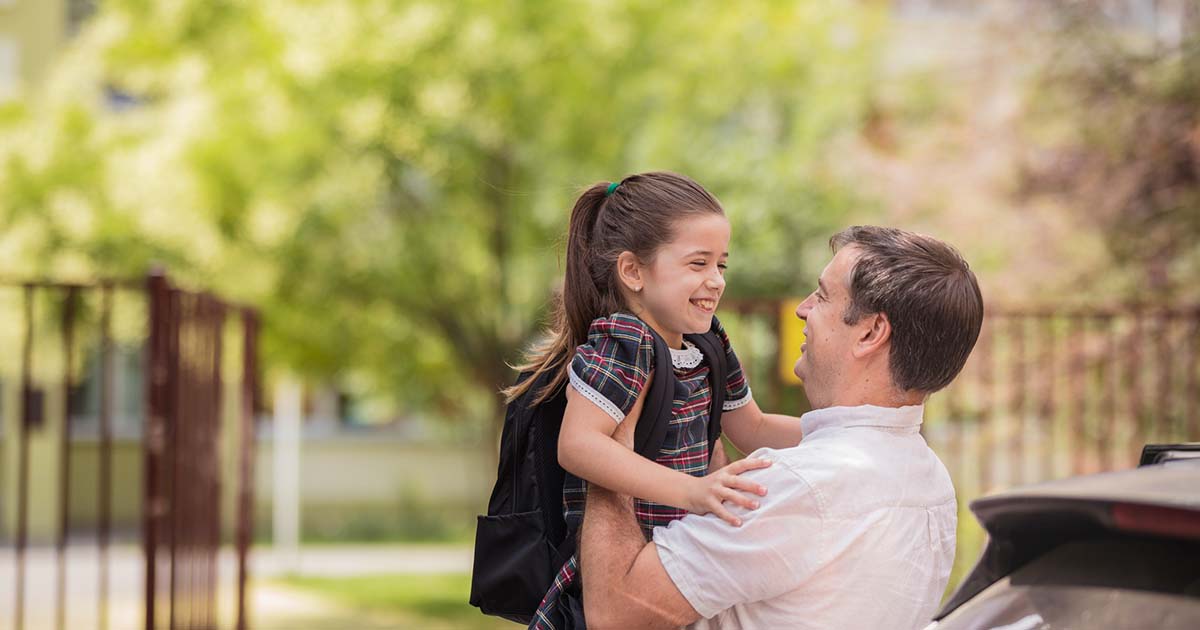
{"x": 803, "y": 309}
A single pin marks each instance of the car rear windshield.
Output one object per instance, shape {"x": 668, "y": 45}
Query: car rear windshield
{"x": 1112, "y": 583}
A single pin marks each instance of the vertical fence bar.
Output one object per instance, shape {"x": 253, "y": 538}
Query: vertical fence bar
{"x": 1133, "y": 342}
{"x": 215, "y": 442}
{"x": 154, "y": 445}
{"x": 105, "y": 481}
{"x": 180, "y": 460}
{"x": 987, "y": 396}
{"x": 1191, "y": 387}
{"x": 189, "y": 487}
{"x": 1163, "y": 427}
{"x": 245, "y": 514}
{"x": 193, "y": 483}
{"x": 1048, "y": 413}
{"x": 1017, "y": 373}
{"x": 64, "y": 455}
{"x": 1076, "y": 348}
{"x": 174, "y": 460}
{"x": 1109, "y": 381}
{"x": 23, "y": 428}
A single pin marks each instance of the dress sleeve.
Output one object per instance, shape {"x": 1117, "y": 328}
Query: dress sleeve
{"x": 737, "y": 389}
{"x": 612, "y": 368}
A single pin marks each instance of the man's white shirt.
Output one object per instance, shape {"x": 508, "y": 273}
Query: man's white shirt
{"x": 857, "y": 531}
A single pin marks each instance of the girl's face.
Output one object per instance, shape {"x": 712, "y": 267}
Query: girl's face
{"x": 684, "y": 283}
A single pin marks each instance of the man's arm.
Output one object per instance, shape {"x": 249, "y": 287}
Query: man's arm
{"x": 624, "y": 582}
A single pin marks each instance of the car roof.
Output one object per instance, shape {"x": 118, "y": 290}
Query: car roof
{"x": 1174, "y": 485}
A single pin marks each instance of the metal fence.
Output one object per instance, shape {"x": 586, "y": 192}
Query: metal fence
{"x": 1046, "y": 392}
{"x": 185, "y": 336}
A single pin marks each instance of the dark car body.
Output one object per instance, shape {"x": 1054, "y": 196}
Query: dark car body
{"x": 1113, "y": 550}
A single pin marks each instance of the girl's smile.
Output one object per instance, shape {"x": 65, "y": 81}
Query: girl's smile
{"x": 683, "y": 285}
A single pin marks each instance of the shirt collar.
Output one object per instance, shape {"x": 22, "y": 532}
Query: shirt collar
{"x": 862, "y": 416}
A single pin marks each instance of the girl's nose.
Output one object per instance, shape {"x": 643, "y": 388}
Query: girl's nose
{"x": 716, "y": 281}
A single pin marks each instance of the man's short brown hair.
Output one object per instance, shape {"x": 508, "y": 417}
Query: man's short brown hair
{"x": 930, "y": 297}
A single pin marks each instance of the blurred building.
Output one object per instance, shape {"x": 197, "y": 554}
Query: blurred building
{"x": 32, "y": 32}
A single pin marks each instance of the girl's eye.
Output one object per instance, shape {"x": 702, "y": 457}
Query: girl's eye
{"x": 723, "y": 266}
{"x": 698, "y": 263}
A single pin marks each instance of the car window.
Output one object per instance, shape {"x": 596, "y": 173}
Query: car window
{"x": 1105, "y": 583}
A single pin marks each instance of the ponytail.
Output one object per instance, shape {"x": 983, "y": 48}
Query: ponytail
{"x": 581, "y": 301}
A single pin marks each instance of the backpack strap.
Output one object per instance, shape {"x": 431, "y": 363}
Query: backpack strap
{"x": 648, "y": 436}
{"x": 652, "y": 425}
{"x": 544, "y": 429}
{"x": 710, "y": 344}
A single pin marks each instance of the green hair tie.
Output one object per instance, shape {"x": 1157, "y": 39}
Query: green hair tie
{"x": 611, "y": 188}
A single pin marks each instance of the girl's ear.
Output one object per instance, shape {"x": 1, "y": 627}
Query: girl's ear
{"x": 629, "y": 270}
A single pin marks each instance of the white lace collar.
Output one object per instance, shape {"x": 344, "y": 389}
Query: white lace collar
{"x": 687, "y": 358}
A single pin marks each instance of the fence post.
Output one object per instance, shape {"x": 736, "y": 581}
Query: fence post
{"x": 245, "y": 507}
{"x": 64, "y": 449}
{"x": 24, "y": 423}
{"x": 158, "y": 296}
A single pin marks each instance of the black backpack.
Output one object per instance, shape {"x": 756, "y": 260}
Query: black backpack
{"x": 523, "y": 540}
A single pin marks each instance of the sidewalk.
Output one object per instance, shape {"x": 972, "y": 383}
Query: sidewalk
{"x": 273, "y": 606}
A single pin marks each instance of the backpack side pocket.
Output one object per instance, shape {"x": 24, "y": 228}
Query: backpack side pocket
{"x": 514, "y": 565}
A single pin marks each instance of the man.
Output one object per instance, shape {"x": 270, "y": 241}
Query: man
{"x": 857, "y": 529}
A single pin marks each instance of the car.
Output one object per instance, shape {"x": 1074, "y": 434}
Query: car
{"x": 1111, "y": 550}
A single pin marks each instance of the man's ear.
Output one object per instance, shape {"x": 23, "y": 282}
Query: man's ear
{"x": 874, "y": 333}
{"x": 629, "y": 271}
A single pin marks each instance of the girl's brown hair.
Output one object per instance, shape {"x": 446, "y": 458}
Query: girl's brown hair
{"x": 638, "y": 216}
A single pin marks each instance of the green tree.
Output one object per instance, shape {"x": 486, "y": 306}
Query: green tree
{"x": 1115, "y": 135}
{"x": 389, "y": 180}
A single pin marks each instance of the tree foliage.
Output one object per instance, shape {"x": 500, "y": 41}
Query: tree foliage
{"x": 389, "y": 180}
{"x": 1121, "y": 98}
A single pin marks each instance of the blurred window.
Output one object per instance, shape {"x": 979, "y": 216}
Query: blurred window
{"x": 78, "y": 11}
{"x": 10, "y": 67}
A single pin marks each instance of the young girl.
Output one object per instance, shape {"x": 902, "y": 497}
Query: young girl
{"x": 648, "y": 252}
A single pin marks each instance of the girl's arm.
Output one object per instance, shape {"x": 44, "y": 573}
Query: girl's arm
{"x": 586, "y": 448}
{"x": 750, "y": 429}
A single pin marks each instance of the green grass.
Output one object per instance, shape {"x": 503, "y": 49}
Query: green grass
{"x": 421, "y": 600}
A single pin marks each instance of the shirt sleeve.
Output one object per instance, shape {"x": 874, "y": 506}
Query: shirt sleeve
{"x": 612, "y": 368}
{"x": 737, "y": 389}
{"x": 779, "y": 545}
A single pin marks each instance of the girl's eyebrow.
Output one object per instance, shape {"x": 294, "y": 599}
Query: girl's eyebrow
{"x": 703, "y": 252}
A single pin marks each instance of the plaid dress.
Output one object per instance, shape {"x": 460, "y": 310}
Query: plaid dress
{"x": 611, "y": 370}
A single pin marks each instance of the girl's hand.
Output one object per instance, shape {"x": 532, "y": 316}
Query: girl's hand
{"x": 709, "y": 493}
